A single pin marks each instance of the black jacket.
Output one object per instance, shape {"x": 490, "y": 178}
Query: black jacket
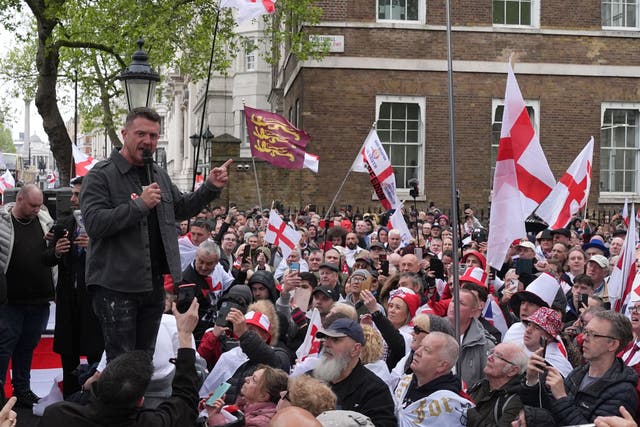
{"x": 179, "y": 410}
{"x": 494, "y": 407}
{"x": 363, "y": 391}
{"x": 617, "y": 387}
{"x": 77, "y": 328}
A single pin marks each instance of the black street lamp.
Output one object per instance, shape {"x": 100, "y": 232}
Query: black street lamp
{"x": 196, "y": 139}
{"x": 139, "y": 79}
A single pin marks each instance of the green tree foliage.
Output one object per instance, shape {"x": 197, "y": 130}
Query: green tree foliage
{"x": 6, "y": 141}
{"x": 92, "y": 40}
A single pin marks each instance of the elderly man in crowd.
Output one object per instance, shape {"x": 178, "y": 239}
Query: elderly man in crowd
{"x": 432, "y": 385}
{"x": 496, "y": 396}
{"x": 357, "y": 388}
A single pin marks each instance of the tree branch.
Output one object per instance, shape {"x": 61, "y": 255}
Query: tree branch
{"x": 91, "y": 45}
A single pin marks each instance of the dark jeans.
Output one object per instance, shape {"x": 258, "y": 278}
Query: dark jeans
{"x": 21, "y": 326}
{"x": 130, "y": 321}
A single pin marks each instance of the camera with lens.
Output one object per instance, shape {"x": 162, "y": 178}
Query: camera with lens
{"x": 479, "y": 235}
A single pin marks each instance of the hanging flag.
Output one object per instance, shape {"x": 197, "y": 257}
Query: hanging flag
{"x": 310, "y": 345}
{"x": 281, "y": 234}
{"x": 494, "y": 315}
{"x": 83, "y": 162}
{"x": 570, "y": 193}
{"x": 373, "y": 159}
{"x": 248, "y": 9}
{"x": 398, "y": 222}
{"x": 199, "y": 181}
{"x": 6, "y": 181}
{"x": 3, "y": 164}
{"x": 51, "y": 180}
{"x": 622, "y": 277}
{"x": 522, "y": 178}
{"x": 275, "y": 140}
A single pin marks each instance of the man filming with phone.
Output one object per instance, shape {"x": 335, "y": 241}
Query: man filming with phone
{"x": 598, "y": 388}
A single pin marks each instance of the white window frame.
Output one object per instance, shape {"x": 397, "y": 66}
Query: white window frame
{"x": 403, "y": 193}
{"x": 499, "y": 102}
{"x": 250, "y": 57}
{"x": 245, "y": 147}
{"x": 620, "y": 27}
{"x": 422, "y": 14}
{"x": 535, "y": 17}
{"x": 620, "y": 196}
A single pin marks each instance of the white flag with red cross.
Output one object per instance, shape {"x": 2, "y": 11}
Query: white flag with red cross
{"x": 570, "y": 193}
{"x": 6, "y": 181}
{"x": 310, "y": 345}
{"x": 83, "y": 162}
{"x": 621, "y": 281}
{"x": 522, "y": 177}
{"x": 281, "y": 234}
{"x": 248, "y": 9}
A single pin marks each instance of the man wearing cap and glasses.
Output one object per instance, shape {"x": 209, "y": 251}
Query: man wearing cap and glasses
{"x": 496, "y": 396}
{"x": 598, "y": 388}
{"x": 357, "y": 388}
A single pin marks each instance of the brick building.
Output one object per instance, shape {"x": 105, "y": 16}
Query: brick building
{"x": 577, "y": 68}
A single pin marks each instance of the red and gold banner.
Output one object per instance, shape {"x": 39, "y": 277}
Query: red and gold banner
{"x": 275, "y": 140}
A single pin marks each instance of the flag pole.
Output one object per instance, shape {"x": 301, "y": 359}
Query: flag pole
{"x": 253, "y": 162}
{"x": 456, "y": 284}
{"x": 204, "y": 103}
{"x": 255, "y": 174}
{"x": 373, "y": 125}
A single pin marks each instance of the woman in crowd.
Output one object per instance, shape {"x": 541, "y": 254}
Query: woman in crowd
{"x": 309, "y": 393}
{"x": 394, "y": 327}
{"x": 258, "y": 398}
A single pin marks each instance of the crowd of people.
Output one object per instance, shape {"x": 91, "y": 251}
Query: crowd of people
{"x": 188, "y": 316}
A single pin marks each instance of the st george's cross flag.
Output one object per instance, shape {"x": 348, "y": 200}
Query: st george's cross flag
{"x": 83, "y": 162}
{"x": 6, "y": 181}
{"x": 274, "y": 139}
{"x": 621, "y": 286}
{"x": 279, "y": 233}
{"x": 522, "y": 177}
{"x": 248, "y": 9}
{"x": 311, "y": 345}
{"x": 570, "y": 193}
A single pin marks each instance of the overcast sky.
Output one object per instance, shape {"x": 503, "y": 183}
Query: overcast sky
{"x": 7, "y": 40}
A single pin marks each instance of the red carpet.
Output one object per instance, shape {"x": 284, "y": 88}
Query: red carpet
{"x": 43, "y": 358}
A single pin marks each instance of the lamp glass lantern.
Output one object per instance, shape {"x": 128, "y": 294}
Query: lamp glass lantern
{"x": 139, "y": 79}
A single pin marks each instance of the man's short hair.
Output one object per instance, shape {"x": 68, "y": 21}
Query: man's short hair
{"x": 414, "y": 277}
{"x": 144, "y": 112}
{"x": 482, "y": 291}
{"x": 125, "y": 379}
{"x": 202, "y": 224}
{"x": 77, "y": 180}
{"x": 209, "y": 248}
{"x": 450, "y": 350}
{"x": 309, "y": 277}
{"x": 584, "y": 279}
{"x": 620, "y": 326}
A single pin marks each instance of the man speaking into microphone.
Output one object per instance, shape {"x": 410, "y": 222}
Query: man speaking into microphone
{"x": 130, "y": 209}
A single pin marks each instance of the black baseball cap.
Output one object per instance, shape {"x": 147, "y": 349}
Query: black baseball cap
{"x": 328, "y": 291}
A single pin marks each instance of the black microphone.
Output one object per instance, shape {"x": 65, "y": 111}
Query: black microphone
{"x": 147, "y": 158}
